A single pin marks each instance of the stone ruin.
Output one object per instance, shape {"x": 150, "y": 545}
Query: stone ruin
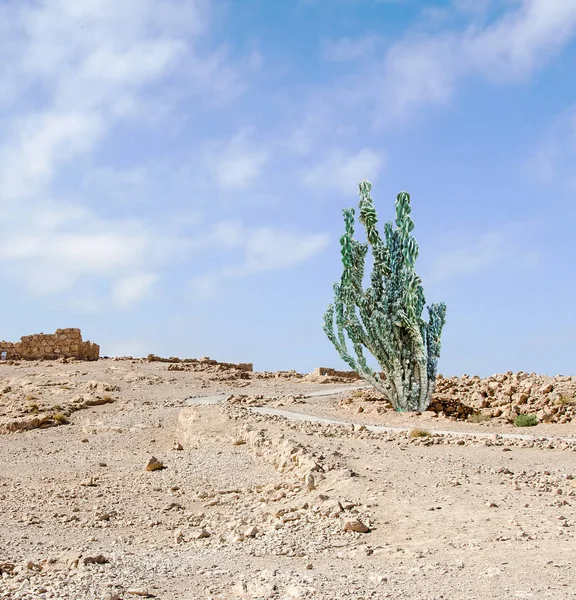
{"x": 65, "y": 343}
{"x": 326, "y": 372}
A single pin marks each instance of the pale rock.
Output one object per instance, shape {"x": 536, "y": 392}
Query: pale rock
{"x": 251, "y": 532}
{"x": 178, "y": 536}
{"x": 200, "y": 534}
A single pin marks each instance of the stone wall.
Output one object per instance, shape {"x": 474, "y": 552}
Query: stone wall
{"x": 206, "y": 361}
{"x": 326, "y": 372}
{"x": 65, "y": 343}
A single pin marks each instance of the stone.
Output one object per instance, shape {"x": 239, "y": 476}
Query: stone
{"x": 251, "y": 532}
{"x": 201, "y": 534}
{"x": 142, "y": 592}
{"x": 154, "y": 464}
{"x": 310, "y": 482}
{"x": 98, "y": 559}
{"x": 356, "y": 526}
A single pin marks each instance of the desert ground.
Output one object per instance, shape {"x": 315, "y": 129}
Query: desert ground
{"x": 118, "y": 481}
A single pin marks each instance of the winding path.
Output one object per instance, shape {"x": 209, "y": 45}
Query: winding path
{"x": 298, "y": 416}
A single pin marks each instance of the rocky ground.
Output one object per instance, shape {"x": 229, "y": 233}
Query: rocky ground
{"x": 113, "y": 487}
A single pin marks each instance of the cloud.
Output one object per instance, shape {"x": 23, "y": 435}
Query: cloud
{"x": 72, "y": 73}
{"x": 259, "y": 250}
{"x": 341, "y": 172}
{"x": 521, "y": 41}
{"x": 236, "y": 163}
{"x": 55, "y": 248}
{"x": 132, "y": 289}
{"x": 504, "y": 249}
{"x": 424, "y": 69}
{"x": 556, "y": 153}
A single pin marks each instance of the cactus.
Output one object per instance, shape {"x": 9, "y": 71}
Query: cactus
{"x": 386, "y": 318}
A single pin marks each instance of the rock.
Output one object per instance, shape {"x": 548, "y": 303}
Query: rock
{"x": 178, "y": 536}
{"x": 201, "y": 534}
{"x": 64, "y": 561}
{"x": 251, "y": 532}
{"x": 356, "y": 526}
{"x": 104, "y": 516}
{"x": 98, "y": 559}
{"x": 310, "y": 482}
{"x": 331, "y": 508}
{"x": 154, "y": 464}
{"x": 178, "y": 446}
{"x": 142, "y": 592}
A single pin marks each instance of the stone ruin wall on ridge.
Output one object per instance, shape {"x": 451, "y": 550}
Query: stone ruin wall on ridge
{"x": 64, "y": 343}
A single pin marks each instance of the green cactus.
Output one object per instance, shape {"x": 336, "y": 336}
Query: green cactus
{"x": 386, "y": 318}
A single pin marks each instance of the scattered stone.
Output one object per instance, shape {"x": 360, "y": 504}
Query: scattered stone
{"x": 154, "y": 464}
{"x": 356, "y": 526}
{"x": 142, "y": 592}
{"x": 98, "y": 559}
{"x": 310, "y": 482}
{"x": 200, "y": 534}
{"x": 251, "y": 532}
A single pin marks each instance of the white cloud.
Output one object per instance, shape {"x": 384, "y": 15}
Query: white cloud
{"x": 417, "y": 73}
{"x": 258, "y": 250}
{"x": 236, "y": 163}
{"x": 71, "y": 72}
{"x": 521, "y": 40}
{"x": 56, "y": 248}
{"x": 132, "y": 289}
{"x": 268, "y": 249}
{"x": 341, "y": 172}
{"x": 556, "y": 155}
{"x": 423, "y": 69}
{"x": 505, "y": 249}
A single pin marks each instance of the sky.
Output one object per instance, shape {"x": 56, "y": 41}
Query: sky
{"x": 173, "y": 172}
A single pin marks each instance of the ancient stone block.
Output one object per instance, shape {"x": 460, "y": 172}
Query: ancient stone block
{"x": 65, "y": 342}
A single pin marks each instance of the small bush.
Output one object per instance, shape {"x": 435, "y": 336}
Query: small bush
{"x": 526, "y": 421}
{"x": 57, "y": 407}
{"x": 30, "y": 397}
{"x": 565, "y": 400}
{"x": 107, "y": 398}
{"x": 34, "y": 409}
{"x": 479, "y": 418}
{"x": 417, "y": 433}
{"x": 60, "y": 418}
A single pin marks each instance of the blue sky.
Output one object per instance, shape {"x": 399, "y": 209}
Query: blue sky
{"x": 172, "y": 173}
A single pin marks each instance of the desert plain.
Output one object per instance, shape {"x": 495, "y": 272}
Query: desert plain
{"x": 133, "y": 478}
